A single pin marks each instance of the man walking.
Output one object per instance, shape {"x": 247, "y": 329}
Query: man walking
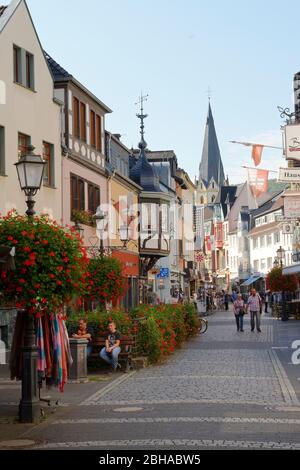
{"x": 254, "y": 305}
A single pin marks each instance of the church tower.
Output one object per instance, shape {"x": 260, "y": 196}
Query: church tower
{"x": 211, "y": 172}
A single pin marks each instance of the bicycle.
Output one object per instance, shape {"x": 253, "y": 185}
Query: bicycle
{"x": 203, "y": 326}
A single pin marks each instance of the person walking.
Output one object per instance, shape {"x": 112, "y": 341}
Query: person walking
{"x": 226, "y": 299}
{"x": 239, "y": 312}
{"x": 254, "y": 305}
{"x": 267, "y": 297}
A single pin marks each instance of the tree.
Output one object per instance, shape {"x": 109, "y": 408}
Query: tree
{"x": 277, "y": 282}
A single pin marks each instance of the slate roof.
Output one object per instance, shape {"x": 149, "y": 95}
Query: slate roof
{"x": 227, "y": 194}
{"x": 7, "y": 11}
{"x": 59, "y": 73}
{"x": 211, "y": 165}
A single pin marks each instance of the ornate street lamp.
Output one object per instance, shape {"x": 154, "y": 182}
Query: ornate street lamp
{"x": 124, "y": 237}
{"x": 30, "y": 169}
{"x": 100, "y": 222}
{"x": 79, "y": 229}
{"x": 276, "y": 263}
{"x": 281, "y": 255}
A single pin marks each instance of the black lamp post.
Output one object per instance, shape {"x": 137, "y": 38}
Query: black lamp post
{"x": 100, "y": 221}
{"x": 30, "y": 169}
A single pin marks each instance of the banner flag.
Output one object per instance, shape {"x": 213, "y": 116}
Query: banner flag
{"x": 257, "y": 154}
{"x": 258, "y": 181}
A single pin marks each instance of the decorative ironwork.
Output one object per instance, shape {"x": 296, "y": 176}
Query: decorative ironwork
{"x": 286, "y": 112}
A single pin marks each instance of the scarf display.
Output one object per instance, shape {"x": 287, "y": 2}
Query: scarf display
{"x": 54, "y": 353}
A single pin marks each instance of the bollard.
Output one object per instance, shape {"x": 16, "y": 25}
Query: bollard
{"x": 78, "y": 370}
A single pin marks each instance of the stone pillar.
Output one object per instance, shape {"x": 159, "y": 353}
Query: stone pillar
{"x": 78, "y": 370}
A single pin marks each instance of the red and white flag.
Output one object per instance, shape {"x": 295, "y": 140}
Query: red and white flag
{"x": 257, "y": 151}
{"x": 258, "y": 181}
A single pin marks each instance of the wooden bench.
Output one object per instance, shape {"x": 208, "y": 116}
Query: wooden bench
{"x": 127, "y": 344}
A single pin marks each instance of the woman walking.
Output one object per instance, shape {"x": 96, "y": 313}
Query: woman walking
{"x": 239, "y": 312}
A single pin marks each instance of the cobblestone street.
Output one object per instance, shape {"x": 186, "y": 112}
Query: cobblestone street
{"x": 221, "y": 390}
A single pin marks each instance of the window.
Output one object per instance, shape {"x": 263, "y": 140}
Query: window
{"x": 99, "y": 133}
{"x": 92, "y": 128}
{"x": 262, "y": 241}
{"x": 202, "y": 200}
{"x": 262, "y": 264}
{"x": 76, "y": 129}
{"x": 48, "y": 151}
{"x": 23, "y": 61}
{"x": 83, "y": 122}
{"x": 23, "y": 143}
{"x": 77, "y": 194}
{"x": 94, "y": 198}
{"x": 213, "y": 199}
{"x": 29, "y": 71}
{"x": 269, "y": 240}
{"x": 17, "y": 65}
{"x": 255, "y": 242}
{"x": 256, "y": 265}
{"x": 276, "y": 237}
{"x": 2, "y": 151}
{"x": 269, "y": 263}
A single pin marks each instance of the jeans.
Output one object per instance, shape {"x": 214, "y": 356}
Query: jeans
{"x": 239, "y": 318}
{"x": 254, "y": 315}
{"x": 89, "y": 350}
{"x": 111, "y": 358}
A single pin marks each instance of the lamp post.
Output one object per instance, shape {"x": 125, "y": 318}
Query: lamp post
{"x": 100, "y": 221}
{"x": 30, "y": 169}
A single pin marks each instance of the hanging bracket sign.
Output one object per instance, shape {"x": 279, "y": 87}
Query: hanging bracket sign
{"x": 289, "y": 175}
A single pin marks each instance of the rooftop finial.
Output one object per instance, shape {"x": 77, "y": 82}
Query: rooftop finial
{"x": 142, "y": 116}
{"x": 209, "y": 93}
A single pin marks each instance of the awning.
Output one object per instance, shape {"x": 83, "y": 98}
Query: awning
{"x": 251, "y": 280}
{"x": 291, "y": 269}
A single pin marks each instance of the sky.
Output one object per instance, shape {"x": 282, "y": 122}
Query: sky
{"x": 174, "y": 50}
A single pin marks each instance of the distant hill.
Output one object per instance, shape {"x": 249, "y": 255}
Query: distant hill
{"x": 274, "y": 186}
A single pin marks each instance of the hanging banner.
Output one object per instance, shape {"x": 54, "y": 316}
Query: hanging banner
{"x": 199, "y": 256}
{"x": 292, "y": 139}
{"x": 258, "y": 181}
{"x": 289, "y": 175}
{"x": 257, "y": 153}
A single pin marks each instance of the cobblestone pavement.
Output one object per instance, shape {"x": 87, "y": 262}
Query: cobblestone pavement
{"x": 221, "y": 390}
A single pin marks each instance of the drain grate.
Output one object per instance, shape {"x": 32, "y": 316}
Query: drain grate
{"x": 128, "y": 410}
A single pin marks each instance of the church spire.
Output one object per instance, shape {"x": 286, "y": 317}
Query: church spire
{"x": 211, "y": 166}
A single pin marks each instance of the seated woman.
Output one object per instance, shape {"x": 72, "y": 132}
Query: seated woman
{"x": 84, "y": 333}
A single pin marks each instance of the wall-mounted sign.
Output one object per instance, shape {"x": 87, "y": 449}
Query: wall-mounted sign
{"x": 164, "y": 272}
{"x": 292, "y": 139}
{"x": 289, "y": 175}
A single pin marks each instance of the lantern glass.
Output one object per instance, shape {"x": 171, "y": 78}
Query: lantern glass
{"x": 280, "y": 253}
{"x": 100, "y": 220}
{"x": 30, "y": 169}
{"x": 124, "y": 233}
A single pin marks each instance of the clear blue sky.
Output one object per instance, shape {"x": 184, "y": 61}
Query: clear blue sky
{"x": 246, "y": 52}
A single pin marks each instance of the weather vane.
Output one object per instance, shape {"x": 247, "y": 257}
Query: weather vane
{"x": 142, "y": 116}
{"x": 209, "y": 93}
